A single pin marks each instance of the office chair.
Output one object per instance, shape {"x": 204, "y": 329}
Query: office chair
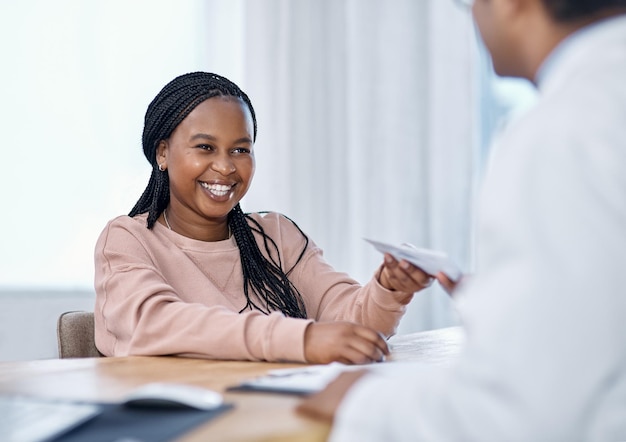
{"x": 75, "y": 335}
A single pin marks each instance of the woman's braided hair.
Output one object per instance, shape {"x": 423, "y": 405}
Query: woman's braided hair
{"x": 263, "y": 275}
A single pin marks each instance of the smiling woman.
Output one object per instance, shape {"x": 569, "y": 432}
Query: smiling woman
{"x": 198, "y": 137}
{"x": 170, "y": 278}
{"x": 213, "y": 147}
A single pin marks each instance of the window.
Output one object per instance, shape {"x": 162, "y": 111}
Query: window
{"x": 76, "y": 80}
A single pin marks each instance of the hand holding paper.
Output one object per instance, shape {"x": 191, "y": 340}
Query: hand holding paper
{"x": 430, "y": 261}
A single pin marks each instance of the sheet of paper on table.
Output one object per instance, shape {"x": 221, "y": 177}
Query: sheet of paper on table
{"x": 429, "y": 347}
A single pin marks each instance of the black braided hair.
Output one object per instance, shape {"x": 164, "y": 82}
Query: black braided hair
{"x": 265, "y": 276}
{"x": 262, "y": 275}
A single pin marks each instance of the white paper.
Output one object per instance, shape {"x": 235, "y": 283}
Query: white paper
{"x": 305, "y": 380}
{"x": 407, "y": 353}
{"x": 430, "y": 261}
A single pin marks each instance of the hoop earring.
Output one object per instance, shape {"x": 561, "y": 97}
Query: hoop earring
{"x": 161, "y": 168}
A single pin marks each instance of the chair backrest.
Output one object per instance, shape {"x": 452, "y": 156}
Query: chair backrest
{"x": 75, "y": 335}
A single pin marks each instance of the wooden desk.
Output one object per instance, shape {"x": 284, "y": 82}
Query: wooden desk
{"x": 256, "y": 416}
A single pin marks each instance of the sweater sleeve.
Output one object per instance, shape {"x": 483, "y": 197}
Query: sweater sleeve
{"x": 335, "y": 296}
{"x": 139, "y": 313}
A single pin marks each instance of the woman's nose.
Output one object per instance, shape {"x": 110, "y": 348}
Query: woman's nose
{"x": 223, "y": 164}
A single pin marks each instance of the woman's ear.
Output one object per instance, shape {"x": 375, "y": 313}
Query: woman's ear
{"x": 161, "y": 155}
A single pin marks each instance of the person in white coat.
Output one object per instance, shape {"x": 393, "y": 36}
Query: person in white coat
{"x": 545, "y": 314}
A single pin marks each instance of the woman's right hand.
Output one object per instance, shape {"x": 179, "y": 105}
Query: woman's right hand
{"x": 344, "y": 342}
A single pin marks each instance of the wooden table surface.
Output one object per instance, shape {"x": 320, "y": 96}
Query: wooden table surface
{"x": 256, "y": 416}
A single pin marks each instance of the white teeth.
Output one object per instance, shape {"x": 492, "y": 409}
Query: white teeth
{"x": 217, "y": 189}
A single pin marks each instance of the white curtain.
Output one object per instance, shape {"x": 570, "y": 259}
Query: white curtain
{"x": 366, "y": 115}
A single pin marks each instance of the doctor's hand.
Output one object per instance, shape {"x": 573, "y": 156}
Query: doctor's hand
{"x": 449, "y": 285}
{"x": 324, "y": 405}
{"x": 403, "y": 276}
{"x": 344, "y": 342}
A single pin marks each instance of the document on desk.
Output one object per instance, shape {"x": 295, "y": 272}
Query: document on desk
{"x": 300, "y": 381}
{"x": 407, "y": 351}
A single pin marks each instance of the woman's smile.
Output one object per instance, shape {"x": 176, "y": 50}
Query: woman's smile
{"x": 219, "y": 192}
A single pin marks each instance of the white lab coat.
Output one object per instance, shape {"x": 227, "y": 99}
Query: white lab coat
{"x": 545, "y": 315}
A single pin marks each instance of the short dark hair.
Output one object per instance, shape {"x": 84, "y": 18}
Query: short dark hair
{"x": 568, "y": 10}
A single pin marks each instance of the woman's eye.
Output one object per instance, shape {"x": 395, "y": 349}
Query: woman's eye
{"x": 205, "y": 146}
{"x": 241, "y": 150}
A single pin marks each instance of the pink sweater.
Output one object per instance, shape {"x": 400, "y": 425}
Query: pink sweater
{"x": 161, "y": 293}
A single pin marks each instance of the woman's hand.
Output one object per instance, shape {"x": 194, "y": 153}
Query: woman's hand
{"x": 403, "y": 276}
{"x": 344, "y": 342}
